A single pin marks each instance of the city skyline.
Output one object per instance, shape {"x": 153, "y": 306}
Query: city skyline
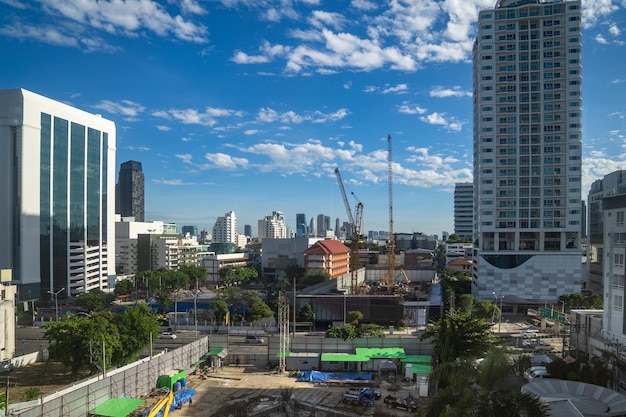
{"x": 256, "y": 120}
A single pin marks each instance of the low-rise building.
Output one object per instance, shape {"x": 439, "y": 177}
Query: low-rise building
{"x": 331, "y": 256}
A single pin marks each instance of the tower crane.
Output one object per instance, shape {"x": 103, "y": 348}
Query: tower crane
{"x": 391, "y": 249}
{"x": 355, "y": 229}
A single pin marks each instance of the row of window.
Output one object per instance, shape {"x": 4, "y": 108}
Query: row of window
{"x": 533, "y": 224}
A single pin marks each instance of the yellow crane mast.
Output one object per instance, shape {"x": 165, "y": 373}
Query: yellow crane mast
{"x": 355, "y": 229}
{"x": 391, "y": 249}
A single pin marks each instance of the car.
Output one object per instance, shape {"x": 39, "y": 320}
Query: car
{"x": 529, "y": 342}
{"x": 167, "y": 335}
{"x": 254, "y": 339}
{"x": 529, "y": 334}
{"x": 539, "y": 373}
{"x": 534, "y": 370}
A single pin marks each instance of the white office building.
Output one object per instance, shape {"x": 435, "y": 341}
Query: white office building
{"x": 527, "y": 151}
{"x": 57, "y": 196}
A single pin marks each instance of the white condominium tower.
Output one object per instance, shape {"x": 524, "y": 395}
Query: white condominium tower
{"x": 527, "y": 152}
{"x": 57, "y": 196}
{"x": 225, "y": 228}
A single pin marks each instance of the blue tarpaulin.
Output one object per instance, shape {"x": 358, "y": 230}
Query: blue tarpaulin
{"x": 316, "y": 376}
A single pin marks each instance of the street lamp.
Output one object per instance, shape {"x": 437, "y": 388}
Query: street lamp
{"x": 563, "y": 309}
{"x": 195, "y": 310}
{"x": 500, "y": 321}
{"x": 56, "y": 302}
{"x": 495, "y": 305}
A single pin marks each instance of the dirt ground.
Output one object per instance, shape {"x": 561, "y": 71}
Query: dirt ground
{"x": 28, "y": 382}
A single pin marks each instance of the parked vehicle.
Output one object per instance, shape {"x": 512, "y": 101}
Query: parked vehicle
{"x": 529, "y": 343}
{"x": 529, "y": 334}
{"x": 406, "y": 404}
{"x": 365, "y": 397}
{"x": 356, "y": 390}
{"x": 535, "y": 372}
{"x": 255, "y": 339}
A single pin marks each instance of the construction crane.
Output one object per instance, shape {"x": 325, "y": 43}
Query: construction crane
{"x": 355, "y": 229}
{"x": 391, "y": 249}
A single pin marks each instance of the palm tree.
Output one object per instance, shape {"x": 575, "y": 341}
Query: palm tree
{"x": 469, "y": 388}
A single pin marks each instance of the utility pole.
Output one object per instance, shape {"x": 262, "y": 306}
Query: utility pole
{"x": 294, "y": 307}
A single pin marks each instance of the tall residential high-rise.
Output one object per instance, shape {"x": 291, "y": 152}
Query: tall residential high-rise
{"x": 57, "y": 196}
{"x": 301, "y": 225}
{"x": 601, "y": 193}
{"x": 225, "y": 229}
{"x": 606, "y": 253}
{"x": 527, "y": 81}
{"x": 464, "y": 209}
{"x": 130, "y": 198}
{"x": 273, "y": 226}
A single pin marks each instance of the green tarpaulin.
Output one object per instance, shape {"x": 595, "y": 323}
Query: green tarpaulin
{"x": 343, "y": 357}
{"x": 425, "y": 359}
{"x": 117, "y": 407}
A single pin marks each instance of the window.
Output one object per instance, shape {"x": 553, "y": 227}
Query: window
{"x": 618, "y": 302}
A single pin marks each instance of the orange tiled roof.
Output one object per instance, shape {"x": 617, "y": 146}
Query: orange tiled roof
{"x": 327, "y": 247}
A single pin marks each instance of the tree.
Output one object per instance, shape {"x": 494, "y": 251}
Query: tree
{"x": 231, "y": 275}
{"x": 487, "y": 310}
{"x": 123, "y": 287}
{"x": 220, "y": 310}
{"x": 312, "y": 277}
{"x": 354, "y": 317}
{"x": 459, "y": 334}
{"x": 196, "y": 274}
{"x": 138, "y": 325}
{"x": 163, "y": 283}
{"x": 95, "y": 300}
{"x": 468, "y": 389}
{"x": 307, "y": 313}
{"x": 78, "y": 340}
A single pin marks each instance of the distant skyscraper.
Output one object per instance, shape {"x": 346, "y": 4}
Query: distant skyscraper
{"x": 321, "y": 225}
{"x": 337, "y": 226}
{"x": 301, "y": 225}
{"x": 312, "y": 227}
{"x": 273, "y": 226}
{"x": 225, "y": 229}
{"x": 247, "y": 230}
{"x": 527, "y": 82}
{"x": 192, "y": 230}
{"x": 130, "y": 188}
{"x": 57, "y": 196}
{"x": 463, "y": 209}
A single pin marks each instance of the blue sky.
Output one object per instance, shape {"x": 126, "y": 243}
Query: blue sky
{"x": 250, "y": 105}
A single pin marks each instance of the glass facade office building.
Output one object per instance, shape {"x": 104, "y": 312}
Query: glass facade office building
{"x": 57, "y": 195}
{"x": 527, "y": 81}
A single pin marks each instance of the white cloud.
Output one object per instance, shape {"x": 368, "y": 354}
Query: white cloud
{"x": 138, "y": 148}
{"x": 407, "y": 109}
{"x": 614, "y": 30}
{"x": 347, "y": 85}
{"x": 186, "y": 158}
{"x": 208, "y": 117}
{"x": 449, "y": 123}
{"x": 130, "y": 17}
{"x": 224, "y": 161}
{"x": 269, "y": 115}
{"x": 129, "y": 109}
{"x": 172, "y": 182}
{"x": 163, "y": 128}
{"x": 185, "y": 139}
{"x": 400, "y": 88}
{"x": 242, "y": 58}
{"x": 595, "y": 10}
{"x": 455, "y": 91}
{"x": 600, "y": 39}
{"x": 617, "y": 114}
{"x": 364, "y": 5}
{"x": 250, "y": 132}
{"x": 321, "y": 19}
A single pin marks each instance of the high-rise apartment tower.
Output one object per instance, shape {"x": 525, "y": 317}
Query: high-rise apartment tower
{"x": 464, "y": 209}
{"x": 130, "y": 191}
{"x": 527, "y": 151}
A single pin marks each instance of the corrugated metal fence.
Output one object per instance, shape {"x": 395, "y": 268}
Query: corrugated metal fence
{"x": 134, "y": 380}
